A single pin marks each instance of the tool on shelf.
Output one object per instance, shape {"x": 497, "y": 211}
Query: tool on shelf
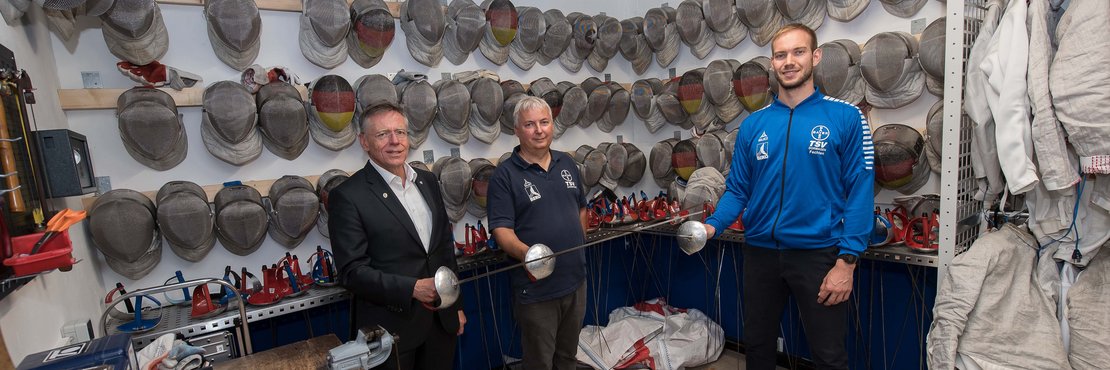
{"x": 369, "y": 349}
{"x": 60, "y": 222}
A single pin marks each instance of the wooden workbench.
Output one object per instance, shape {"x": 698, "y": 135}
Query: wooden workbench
{"x": 307, "y": 354}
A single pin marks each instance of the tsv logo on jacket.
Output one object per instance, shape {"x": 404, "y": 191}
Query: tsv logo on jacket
{"x": 818, "y": 145}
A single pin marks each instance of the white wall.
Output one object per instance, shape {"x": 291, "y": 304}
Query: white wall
{"x": 191, "y": 51}
{"x": 31, "y": 318}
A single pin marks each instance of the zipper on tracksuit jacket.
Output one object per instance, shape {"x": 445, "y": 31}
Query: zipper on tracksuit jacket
{"x": 782, "y": 182}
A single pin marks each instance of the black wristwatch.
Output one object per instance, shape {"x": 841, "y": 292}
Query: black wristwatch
{"x": 848, "y": 258}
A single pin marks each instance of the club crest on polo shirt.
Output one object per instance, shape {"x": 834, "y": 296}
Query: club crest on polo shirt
{"x": 761, "y": 152}
{"x": 531, "y": 190}
{"x": 818, "y": 145}
{"x": 568, "y": 179}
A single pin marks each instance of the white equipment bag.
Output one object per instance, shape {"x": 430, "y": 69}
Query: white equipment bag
{"x": 654, "y": 334}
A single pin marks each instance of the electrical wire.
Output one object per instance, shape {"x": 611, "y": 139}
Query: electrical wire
{"x": 481, "y": 329}
{"x": 496, "y": 319}
{"x": 719, "y": 315}
{"x": 739, "y": 299}
{"x": 870, "y": 313}
{"x": 649, "y": 262}
{"x": 854, "y": 314}
{"x": 670, "y": 272}
{"x": 594, "y": 279}
{"x": 882, "y": 318}
{"x": 636, "y": 250}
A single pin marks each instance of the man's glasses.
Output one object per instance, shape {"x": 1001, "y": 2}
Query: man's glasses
{"x": 385, "y": 134}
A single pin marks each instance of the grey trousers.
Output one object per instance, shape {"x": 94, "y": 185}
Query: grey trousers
{"x": 550, "y": 330}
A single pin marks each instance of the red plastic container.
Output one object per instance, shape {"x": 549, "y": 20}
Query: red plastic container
{"x": 56, "y": 253}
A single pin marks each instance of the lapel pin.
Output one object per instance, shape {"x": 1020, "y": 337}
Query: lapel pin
{"x": 385, "y": 195}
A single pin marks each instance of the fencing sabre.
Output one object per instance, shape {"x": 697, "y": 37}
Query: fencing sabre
{"x": 691, "y": 237}
{"x": 539, "y": 260}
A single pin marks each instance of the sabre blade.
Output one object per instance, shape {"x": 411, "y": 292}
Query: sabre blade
{"x": 622, "y": 232}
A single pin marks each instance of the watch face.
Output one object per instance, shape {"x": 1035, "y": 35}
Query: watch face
{"x": 848, "y": 258}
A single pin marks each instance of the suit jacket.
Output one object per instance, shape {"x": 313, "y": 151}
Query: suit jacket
{"x": 379, "y": 255}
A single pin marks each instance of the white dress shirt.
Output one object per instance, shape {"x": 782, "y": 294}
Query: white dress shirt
{"x": 409, "y": 196}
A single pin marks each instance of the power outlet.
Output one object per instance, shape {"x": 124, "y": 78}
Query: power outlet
{"x": 77, "y": 331}
{"x": 782, "y": 345}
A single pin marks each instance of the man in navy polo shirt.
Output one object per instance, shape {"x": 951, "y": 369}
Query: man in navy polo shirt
{"x": 536, "y": 197}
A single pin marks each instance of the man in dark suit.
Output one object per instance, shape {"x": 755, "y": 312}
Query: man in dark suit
{"x": 389, "y": 234}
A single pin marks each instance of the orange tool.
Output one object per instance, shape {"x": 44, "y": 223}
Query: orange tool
{"x": 60, "y": 222}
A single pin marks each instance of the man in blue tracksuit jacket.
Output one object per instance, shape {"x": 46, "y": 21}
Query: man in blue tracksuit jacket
{"x": 802, "y": 177}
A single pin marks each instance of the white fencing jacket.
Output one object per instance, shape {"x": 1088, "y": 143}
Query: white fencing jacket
{"x": 1079, "y": 81}
{"x": 984, "y": 159}
{"x": 1004, "y": 66}
{"x": 1057, "y": 168}
{"x": 992, "y": 310}
{"x": 1088, "y": 314}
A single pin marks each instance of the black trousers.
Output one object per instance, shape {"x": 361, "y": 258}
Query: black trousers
{"x": 770, "y": 275}
{"x": 437, "y": 352}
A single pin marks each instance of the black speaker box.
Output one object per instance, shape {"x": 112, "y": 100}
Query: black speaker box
{"x": 66, "y": 163}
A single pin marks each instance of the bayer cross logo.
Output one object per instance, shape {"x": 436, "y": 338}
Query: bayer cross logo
{"x": 568, "y": 179}
{"x": 819, "y": 133}
{"x": 818, "y": 145}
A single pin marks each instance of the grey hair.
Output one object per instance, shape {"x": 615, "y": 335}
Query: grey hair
{"x": 376, "y": 110}
{"x": 529, "y": 103}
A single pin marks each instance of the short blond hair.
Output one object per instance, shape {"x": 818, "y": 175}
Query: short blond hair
{"x": 792, "y": 27}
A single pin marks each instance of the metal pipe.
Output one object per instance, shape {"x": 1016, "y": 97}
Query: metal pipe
{"x": 183, "y": 285}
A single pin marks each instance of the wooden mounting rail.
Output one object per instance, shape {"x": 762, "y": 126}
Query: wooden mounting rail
{"x": 263, "y": 187}
{"x": 282, "y": 5}
{"x": 78, "y": 99}
{"x": 82, "y": 99}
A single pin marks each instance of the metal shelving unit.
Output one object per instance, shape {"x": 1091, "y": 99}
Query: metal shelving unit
{"x": 670, "y": 230}
{"x": 891, "y": 253}
{"x": 488, "y": 258}
{"x": 498, "y": 256}
{"x": 959, "y": 211}
{"x": 604, "y": 235}
{"x": 175, "y": 319}
{"x": 900, "y": 254}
